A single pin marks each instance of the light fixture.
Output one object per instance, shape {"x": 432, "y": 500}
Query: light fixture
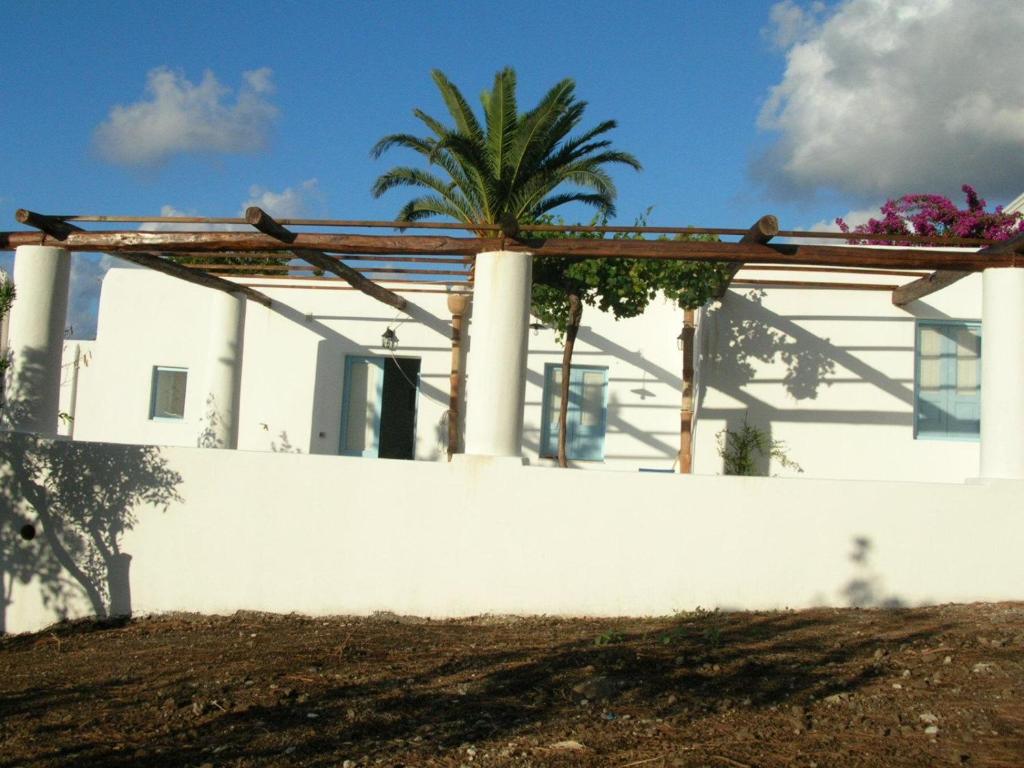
{"x": 537, "y": 328}
{"x": 389, "y": 339}
{"x": 679, "y": 341}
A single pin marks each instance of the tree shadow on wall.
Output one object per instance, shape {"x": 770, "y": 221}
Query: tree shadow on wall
{"x": 746, "y": 333}
{"x": 64, "y": 507}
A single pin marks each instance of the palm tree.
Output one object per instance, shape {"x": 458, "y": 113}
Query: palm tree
{"x": 514, "y": 167}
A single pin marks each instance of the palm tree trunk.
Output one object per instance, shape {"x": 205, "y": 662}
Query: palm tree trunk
{"x": 572, "y": 327}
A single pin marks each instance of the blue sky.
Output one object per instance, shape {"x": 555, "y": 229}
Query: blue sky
{"x": 806, "y": 110}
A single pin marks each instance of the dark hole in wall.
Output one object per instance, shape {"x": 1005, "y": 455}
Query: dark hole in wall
{"x": 398, "y": 409}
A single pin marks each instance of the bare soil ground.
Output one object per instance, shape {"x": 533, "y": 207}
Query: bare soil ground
{"x": 923, "y": 687}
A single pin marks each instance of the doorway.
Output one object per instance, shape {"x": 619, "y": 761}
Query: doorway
{"x": 378, "y": 412}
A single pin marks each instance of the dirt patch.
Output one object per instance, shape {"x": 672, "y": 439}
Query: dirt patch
{"x": 922, "y": 687}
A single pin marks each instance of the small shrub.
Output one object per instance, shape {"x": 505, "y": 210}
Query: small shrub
{"x": 739, "y": 450}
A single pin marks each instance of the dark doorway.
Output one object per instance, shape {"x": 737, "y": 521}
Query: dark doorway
{"x": 398, "y": 408}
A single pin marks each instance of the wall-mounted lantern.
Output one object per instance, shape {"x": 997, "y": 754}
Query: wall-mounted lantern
{"x": 389, "y": 339}
{"x": 680, "y": 341}
{"x": 537, "y": 328}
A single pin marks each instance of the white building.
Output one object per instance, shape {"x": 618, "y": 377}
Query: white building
{"x": 852, "y": 385}
{"x": 862, "y": 393}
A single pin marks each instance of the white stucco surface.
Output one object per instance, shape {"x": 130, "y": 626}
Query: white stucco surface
{"x": 831, "y": 374}
{"x": 828, "y": 372}
{"x": 325, "y": 535}
{"x": 35, "y": 333}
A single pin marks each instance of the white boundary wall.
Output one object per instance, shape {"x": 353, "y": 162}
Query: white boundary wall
{"x": 328, "y": 535}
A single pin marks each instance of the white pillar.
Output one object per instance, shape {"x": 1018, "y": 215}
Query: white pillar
{"x": 42, "y": 275}
{"x": 1002, "y": 374}
{"x": 496, "y": 362}
{"x": 219, "y": 426}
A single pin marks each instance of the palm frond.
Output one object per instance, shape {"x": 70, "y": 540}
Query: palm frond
{"x": 602, "y": 203}
{"x": 405, "y": 140}
{"x": 458, "y": 107}
{"x": 424, "y": 207}
{"x": 500, "y": 118}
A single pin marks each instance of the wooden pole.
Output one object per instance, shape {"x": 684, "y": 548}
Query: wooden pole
{"x": 764, "y": 229}
{"x": 457, "y": 305}
{"x": 686, "y": 411}
{"x": 1006, "y": 254}
{"x": 61, "y": 230}
{"x": 926, "y": 285}
{"x": 265, "y": 223}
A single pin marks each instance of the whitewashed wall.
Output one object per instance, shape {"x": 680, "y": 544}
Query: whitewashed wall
{"x": 831, "y": 374}
{"x": 828, "y": 372}
{"x": 294, "y": 354}
{"x": 326, "y": 535}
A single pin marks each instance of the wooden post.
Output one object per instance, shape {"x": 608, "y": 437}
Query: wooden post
{"x": 764, "y": 229}
{"x": 686, "y": 411}
{"x": 457, "y": 304}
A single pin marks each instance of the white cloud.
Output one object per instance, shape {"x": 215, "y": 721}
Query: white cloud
{"x": 791, "y": 23}
{"x": 179, "y": 116}
{"x": 290, "y": 203}
{"x": 885, "y": 97}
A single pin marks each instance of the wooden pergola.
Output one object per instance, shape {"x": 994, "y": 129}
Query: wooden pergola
{"x": 259, "y": 246}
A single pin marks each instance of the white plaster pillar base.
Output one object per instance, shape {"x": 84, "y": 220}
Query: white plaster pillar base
{"x": 1002, "y": 374}
{"x": 496, "y": 363}
{"x": 219, "y": 419}
{"x": 42, "y": 275}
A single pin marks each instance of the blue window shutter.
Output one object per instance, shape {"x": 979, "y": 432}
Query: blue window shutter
{"x": 586, "y": 415}
{"x": 588, "y": 402}
{"x": 549, "y": 413}
{"x": 947, "y": 381}
{"x": 363, "y": 390}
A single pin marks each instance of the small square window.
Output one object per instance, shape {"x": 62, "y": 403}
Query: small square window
{"x": 168, "y": 400}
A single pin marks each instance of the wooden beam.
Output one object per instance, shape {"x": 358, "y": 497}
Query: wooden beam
{"x": 265, "y": 223}
{"x": 826, "y": 284}
{"x": 764, "y": 229}
{"x": 62, "y": 230}
{"x": 54, "y": 227}
{"x": 945, "y": 277}
{"x": 923, "y": 286}
{"x": 769, "y": 253}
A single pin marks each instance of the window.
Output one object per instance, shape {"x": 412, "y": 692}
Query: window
{"x": 948, "y": 379}
{"x": 586, "y": 417}
{"x": 378, "y": 407}
{"x": 168, "y": 400}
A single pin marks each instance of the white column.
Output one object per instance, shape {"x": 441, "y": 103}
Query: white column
{"x": 42, "y": 275}
{"x": 1002, "y": 374}
{"x": 219, "y": 426}
{"x": 496, "y": 362}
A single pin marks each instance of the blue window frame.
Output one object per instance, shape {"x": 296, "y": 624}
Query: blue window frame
{"x": 586, "y": 416}
{"x": 363, "y": 391}
{"x": 947, "y": 379}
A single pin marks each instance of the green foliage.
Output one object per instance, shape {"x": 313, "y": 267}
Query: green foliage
{"x": 624, "y": 287}
{"x": 703, "y": 625}
{"x": 509, "y": 165}
{"x": 7, "y": 295}
{"x": 739, "y": 450}
{"x": 609, "y": 638}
